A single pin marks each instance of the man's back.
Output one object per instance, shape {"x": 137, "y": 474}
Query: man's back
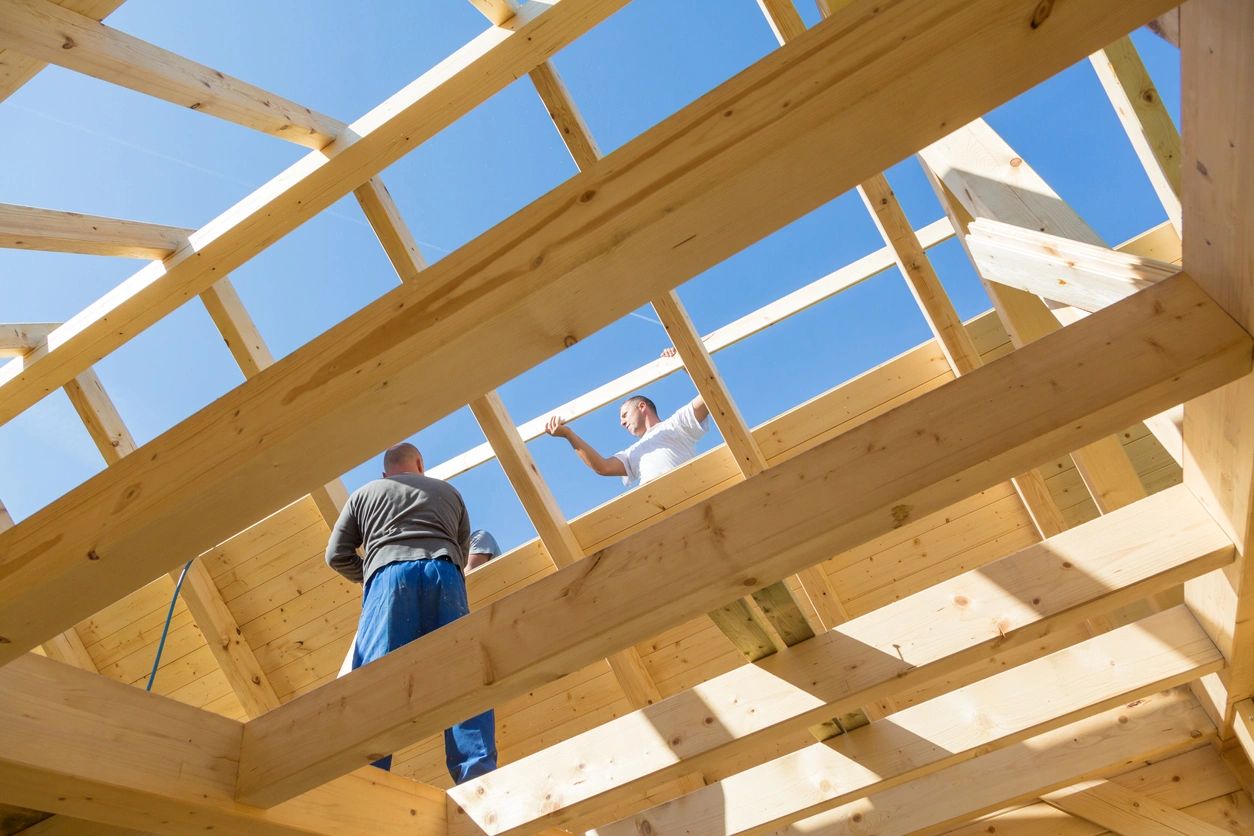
{"x": 401, "y": 517}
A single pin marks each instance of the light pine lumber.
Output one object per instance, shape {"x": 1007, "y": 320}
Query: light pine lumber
{"x": 54, "y": 34}
{"x": 1144, "y": 118}
{"x": 20, "y": 338}
{"x": 390, "y": 228}
{"x": 174, "y": 771}
{"x": 1152, "y": 727}
{"x": 433, "y": 101}
{"x": 1094, "y": 676}
{"x": 976, "y": 174}
{"x": 565, "y": 115}
{"x": 16, "y": 69}
{"x": 28, "y": 228}
{"x": 1218, "y": 202}
{"x": 1082, "y": 275}
{"x": 213, "y": 617}
{"x": 497, "y": 12}
{"x": 919, "y": 640}
{"x": 1124, "y": 811}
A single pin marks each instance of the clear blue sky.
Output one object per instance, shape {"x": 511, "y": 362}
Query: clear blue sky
{"x": 71, "y": 142}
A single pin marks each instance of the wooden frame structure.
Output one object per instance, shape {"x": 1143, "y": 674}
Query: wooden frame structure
{"x": 827, "y": 624}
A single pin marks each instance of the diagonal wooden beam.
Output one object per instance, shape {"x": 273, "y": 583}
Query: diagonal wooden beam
{"x": 388, "y": 370}
{"x": 213, "y": 617}
{"x": 919, "y": 457}
{"x": 1122, "y": 810}
{"x": 85, "y": 746}
{"x": 16, "y": 69}
{"x": 1218, "y": 198}
{"x": 1149, "y": 728}
{"x": 51, "y": 33}
{"x": 1157, "y": 653}
{"x": 28, "y": 228}
{"x": 1144, "y": 118}
{"x": 439, "y": 97}
{"x": 976, "y": 174}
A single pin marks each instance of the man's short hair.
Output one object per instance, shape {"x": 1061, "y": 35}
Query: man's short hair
{"x": 399, "y": 456}
{"x": 642, "y": 399}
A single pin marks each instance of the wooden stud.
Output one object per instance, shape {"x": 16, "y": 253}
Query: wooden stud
{"x": 19, "y": 339}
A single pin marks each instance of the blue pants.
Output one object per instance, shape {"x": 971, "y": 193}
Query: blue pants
{"x": 402, "y": 602}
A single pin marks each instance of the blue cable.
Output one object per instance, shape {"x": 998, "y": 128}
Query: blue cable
{"x": 165, "y": 630}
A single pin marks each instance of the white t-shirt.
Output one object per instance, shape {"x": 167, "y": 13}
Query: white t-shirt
{"x": 666, "y": 445}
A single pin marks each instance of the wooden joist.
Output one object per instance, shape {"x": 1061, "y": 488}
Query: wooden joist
{"x": 433, "y": 101}
{"x": 49, "y": 32}
{"x": 1148, "y": 728}
{"x": 1037, "y": 403}
{"x": 27, "y": 228}
{"x": 1219, "y": 214}
{"x": 125, "y": 757}
{"x": 1161, "y": 652}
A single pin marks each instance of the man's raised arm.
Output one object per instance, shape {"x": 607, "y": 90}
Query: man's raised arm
{"x": 600, "y": 465}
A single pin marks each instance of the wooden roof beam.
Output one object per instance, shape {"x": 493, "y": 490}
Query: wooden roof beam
{"x": 16, "y": 69}
{"x": 909, "y": 462}
{"x": 936, "y": 651}
{"x": 1144, "y": 118}
{"x": 1084, "y": 276}
{"x": 48, "y": 32}
{"x": 85, "y": 746}
{"x": 1218, "y": 179}
{"x": 439, "y": 97}
{"x": 28, "y": 228}
{"x": 1122, "y": 810}
{"x": 1160, "y": 652}
{"x": 976, "y": 174}
{"x": 1153, "y": 727}
{"x": 17, "y": 339}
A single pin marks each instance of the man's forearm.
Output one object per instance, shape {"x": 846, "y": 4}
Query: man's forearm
{"x": 587, "y": 454}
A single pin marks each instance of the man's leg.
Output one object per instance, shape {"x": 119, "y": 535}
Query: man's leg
{"x": 390, "y": 616}
{"x": 469, "y": 746}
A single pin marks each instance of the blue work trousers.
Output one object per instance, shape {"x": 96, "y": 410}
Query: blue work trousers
{"x": 404, "y": 601}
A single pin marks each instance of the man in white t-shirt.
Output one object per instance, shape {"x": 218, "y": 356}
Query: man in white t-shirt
{"x": 661, "y": 445}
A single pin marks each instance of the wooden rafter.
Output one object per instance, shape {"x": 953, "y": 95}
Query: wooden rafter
{"x": 1123, "y": 811}
{"x": 1164, "y": 341}
{"x": 27, "y": 228}
{"x": 16, "y": 69}
{"x": 18, "y": 339}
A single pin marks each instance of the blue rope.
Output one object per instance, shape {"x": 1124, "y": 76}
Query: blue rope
{"x": 165, "y": 630}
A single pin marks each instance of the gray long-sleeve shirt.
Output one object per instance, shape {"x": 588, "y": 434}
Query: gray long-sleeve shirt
{"x": 403, "y": 517}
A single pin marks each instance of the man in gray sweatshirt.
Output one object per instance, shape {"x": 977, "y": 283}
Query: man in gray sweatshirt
{"x": 415, "y": 533}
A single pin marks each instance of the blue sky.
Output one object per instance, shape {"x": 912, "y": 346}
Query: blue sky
{"x": 71, "y": 142}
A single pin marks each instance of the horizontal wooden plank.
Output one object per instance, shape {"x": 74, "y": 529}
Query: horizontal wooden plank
{"x": 28, "y": 228}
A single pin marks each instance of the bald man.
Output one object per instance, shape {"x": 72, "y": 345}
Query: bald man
{"x": 415, "y": 533}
